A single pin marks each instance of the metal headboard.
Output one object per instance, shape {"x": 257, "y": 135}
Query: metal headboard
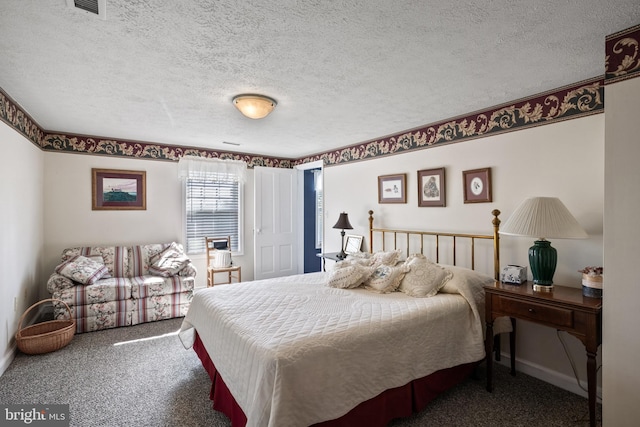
{"x": 454, "y": 236}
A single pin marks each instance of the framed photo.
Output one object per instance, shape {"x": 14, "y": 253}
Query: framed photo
{"x": 113, "y": 189}
{"x": 477, "y": 185}
{"x": 392, "y": 188}
{"x": 353, "y": 244}
{"x": 431, "y": 188}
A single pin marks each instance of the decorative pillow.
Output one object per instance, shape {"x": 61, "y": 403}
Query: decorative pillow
{"x": 386, "y": 278}
{"x": 82, "y": 269}
{"x": 464, "y": 278}
{"x": 387, "y": 258}
{"x": 348, "y": 276}
{"x": 359, "y": 255}
{"x": 353, "y": 261}
{"x": 153, "y": 257}
{"x": 424, "y": 278}
{"x": 100, "y": 260}
{"x": 342, "y": 264}
{"x": 168, "y": 262}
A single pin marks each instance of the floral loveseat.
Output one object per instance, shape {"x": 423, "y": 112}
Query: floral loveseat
{"x": 112, "y": 286}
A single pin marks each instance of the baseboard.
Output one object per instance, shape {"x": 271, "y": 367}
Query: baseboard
{"x": 8, "y": 358}
{"x": 565, "y": 382}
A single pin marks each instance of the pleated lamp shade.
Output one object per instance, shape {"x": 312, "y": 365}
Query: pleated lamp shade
{"x": 543, "y": 218}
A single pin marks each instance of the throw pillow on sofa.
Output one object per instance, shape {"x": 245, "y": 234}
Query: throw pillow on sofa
{"x": 82, "y": 269}
{"x": 168, "y": 262}
{"x": 100, "y": 260}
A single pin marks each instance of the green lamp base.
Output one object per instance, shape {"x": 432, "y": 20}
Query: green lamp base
{"x": 542, "y": 260}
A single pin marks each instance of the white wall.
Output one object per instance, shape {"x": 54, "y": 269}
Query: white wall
{"x": 21, "y": 229}
{"x": 563, "y": 160}
{"x": 69, "y": 220}
{"x": 621, "y": 342}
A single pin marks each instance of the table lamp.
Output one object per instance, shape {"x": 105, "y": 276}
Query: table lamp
{"x": 542, "y": 218}
{"x": 343, "y": 224}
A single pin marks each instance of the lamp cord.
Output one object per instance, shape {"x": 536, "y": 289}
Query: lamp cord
{"x": 573, "y": 365}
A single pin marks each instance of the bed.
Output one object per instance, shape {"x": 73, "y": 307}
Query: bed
{"x": 293, "y": 351}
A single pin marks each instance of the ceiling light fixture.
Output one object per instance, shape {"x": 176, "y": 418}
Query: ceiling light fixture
{"x": 254, "y": 106}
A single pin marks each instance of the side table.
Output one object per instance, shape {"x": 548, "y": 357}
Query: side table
{"x": 564, "y": 308}
{"x": 333, "y": 256}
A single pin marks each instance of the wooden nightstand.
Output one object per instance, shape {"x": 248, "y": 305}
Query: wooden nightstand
{"x": 564, "y": 308}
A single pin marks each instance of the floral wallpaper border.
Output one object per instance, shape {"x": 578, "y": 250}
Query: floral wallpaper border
{"x": 570, "y": 102}
{"x": 582, "y": 99}
{"x": 12, "y": 114}
{"x": 148, "y": 150}
{"x": 622, "y": 60}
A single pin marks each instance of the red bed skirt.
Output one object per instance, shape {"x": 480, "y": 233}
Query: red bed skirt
{"x": 379, "y": 411}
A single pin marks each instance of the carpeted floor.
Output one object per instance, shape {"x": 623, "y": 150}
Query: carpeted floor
{"x": 143, "y": 376}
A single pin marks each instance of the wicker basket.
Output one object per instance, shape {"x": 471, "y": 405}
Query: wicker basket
{"x": 46, "y": 336}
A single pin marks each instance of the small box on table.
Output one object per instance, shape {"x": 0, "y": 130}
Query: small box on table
{"x": 514, "y": 274}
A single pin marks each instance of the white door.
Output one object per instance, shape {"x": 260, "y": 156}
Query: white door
{"x": 276, "y": 230}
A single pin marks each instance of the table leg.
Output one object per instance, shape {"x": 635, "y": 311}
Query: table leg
{"x": 488, "y": 342}
{"x": 512, "y": 346}
{"x": 592, "y": 382}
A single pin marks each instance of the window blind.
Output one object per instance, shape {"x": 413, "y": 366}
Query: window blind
{"x": 212, "y": 210}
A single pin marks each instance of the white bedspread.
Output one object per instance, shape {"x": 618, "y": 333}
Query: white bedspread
{"x": 294, "y": 352}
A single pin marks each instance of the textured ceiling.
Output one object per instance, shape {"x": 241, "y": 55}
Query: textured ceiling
{"x": 343, "y": 72}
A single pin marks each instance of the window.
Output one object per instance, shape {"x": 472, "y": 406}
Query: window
{"x": 213, "y": 209}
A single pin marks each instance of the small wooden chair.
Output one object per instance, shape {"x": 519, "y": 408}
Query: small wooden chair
{"x": 213, "y": 244}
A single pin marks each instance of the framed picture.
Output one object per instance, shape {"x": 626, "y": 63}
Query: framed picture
{"x": 113, "y": 189}
{"x": 431, "y": 188}
{"x": 477, "y": 185}
{"x": 353, "y": 244}
{"x": 392, "y": 188}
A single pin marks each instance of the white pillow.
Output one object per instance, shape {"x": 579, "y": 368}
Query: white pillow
{"x": 348, "y": 276}
{"x": 352, "y": 261}
{"x": 341, "y": 264}
{"x": 386, "y": 278}
{"x": 464, "y": 278}
{"x": 387, "y": 258}
{"x": 359, "y": 255}
{"x": 82, "y": 269}
{"x": 424, "y": 278}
